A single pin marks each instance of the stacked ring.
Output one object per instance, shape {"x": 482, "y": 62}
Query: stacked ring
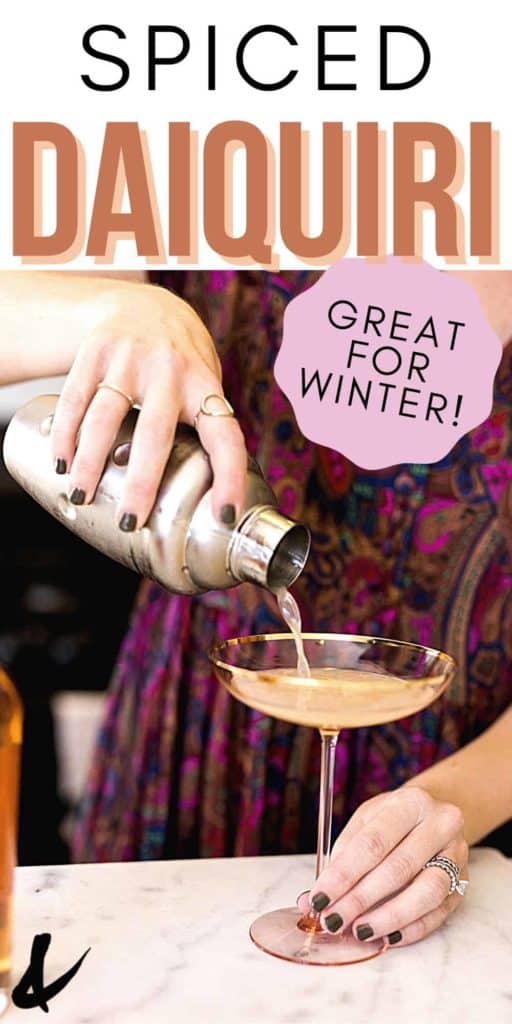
{"x": 457, "y": 884}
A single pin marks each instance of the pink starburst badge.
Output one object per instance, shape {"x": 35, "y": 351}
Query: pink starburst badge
{"x": 388, "y": 362}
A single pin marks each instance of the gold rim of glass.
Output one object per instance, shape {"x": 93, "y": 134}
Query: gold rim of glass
{"x": 352, "y": 637}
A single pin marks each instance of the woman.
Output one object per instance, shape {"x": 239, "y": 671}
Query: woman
{"x": 181, "y": 770}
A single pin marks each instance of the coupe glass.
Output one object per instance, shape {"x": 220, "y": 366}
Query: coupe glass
{"x": 355, "y": 681}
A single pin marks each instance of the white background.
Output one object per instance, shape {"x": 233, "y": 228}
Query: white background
{"x": 41, "y": 61}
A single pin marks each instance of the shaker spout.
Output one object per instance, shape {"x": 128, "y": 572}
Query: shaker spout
{"x": 268, "y": 548}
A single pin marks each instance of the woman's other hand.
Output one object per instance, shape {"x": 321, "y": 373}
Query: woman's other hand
{"x": 152, "y": 345}
{"x": 375, "y": 884}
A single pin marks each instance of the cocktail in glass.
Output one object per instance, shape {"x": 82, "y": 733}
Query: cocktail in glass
{"x": 355, "y": 681}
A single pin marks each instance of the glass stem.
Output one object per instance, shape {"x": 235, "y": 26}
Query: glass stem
{"x": 329, "y": 741}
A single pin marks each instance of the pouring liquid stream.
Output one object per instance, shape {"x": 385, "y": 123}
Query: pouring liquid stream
{"x": 291, "y": 614}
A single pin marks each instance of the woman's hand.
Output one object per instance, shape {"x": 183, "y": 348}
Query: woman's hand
{"x": 153, "y": 346}
{"x": 374, "y": 882}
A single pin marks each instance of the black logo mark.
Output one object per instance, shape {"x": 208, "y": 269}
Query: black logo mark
{"x": 33, "y": 978}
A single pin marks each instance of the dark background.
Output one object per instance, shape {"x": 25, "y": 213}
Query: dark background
{"x": 64, "y": 608}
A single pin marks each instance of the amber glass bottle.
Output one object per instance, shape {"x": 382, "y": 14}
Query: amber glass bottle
{"x": 10, "y": 746}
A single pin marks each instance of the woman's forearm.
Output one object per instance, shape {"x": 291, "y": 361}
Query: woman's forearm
{"x": 494, "y": 290}
{"x": 44, "y": 317}
{"x": 478, "y": 778}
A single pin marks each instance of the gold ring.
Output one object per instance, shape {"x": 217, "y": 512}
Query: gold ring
{"x": 203, "y": 408}
{"x": 118, "y": 390}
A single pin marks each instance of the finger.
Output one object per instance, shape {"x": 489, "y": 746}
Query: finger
{"x": 98, "y": 431}
{"x": 366, "y": 849}
{"x": 360, "y": 817}
{"x": 302, "y": 900}
{"x": 77, "y": 392}
{"x": 224, "y": 442}
{"x": 399, "y": 868}
{"x": 424, "y": 926}
{"x": 222, "y": 438}
{"x": 420, "y": 806}
{"x": 152, "y": 441}
{"x": 427, "y": 892}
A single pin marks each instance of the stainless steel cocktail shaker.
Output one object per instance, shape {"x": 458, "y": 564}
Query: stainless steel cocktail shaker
{"x": 183, "y": 547}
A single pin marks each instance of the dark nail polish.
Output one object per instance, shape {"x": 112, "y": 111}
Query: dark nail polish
{"x": 128, "y": 522}
{"x": 227, "y": 514}
{"x": 320, "y": 902}
{"x": 394, "y": 937}
{"x": 61, "y": 466}
{"x": 77, "y": 497}
{"x": 364, "y": 931}
{"x": 333, "y": 922}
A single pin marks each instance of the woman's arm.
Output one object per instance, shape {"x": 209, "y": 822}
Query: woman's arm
{"x": 477, "y": 778}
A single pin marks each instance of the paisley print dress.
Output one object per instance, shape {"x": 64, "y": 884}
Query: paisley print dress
{"x": 414, "y": 552}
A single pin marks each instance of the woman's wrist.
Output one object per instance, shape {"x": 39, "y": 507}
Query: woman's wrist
{"x": 476, "y": 780}
{"x": 46, "y": 317}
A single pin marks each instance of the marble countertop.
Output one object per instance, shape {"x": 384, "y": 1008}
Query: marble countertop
{"x": 169, "y": 943}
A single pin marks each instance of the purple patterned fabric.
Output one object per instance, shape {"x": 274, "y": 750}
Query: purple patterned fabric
{"x": 416, "y": 552}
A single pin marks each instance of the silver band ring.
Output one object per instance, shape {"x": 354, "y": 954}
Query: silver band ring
{"x": 118, "y": 390}
{"x": 457, "y": 884}
{"x": 205, "y": 411}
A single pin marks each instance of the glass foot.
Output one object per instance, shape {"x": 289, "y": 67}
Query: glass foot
{"x": 284, "y": 933}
